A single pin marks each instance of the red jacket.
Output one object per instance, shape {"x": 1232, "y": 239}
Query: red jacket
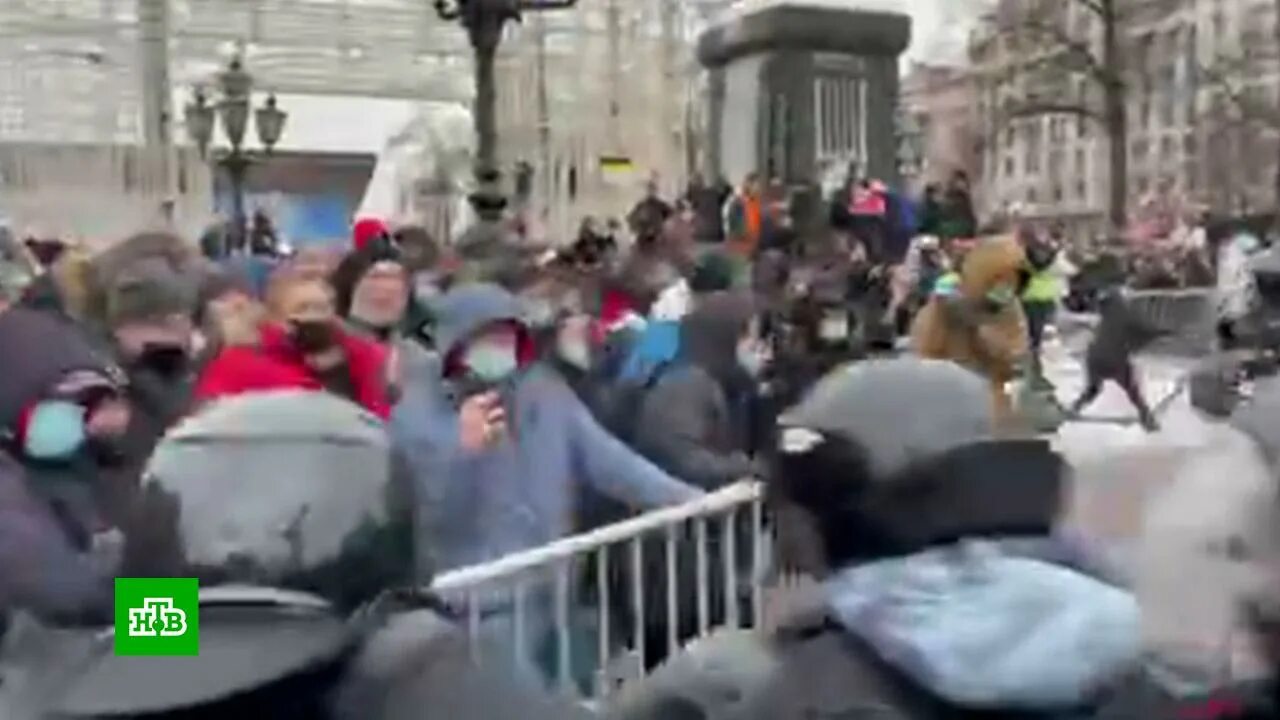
{"x": 274, "y": 364}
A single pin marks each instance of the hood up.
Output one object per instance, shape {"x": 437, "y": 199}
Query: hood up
{"x": 709, "y": 335}
{"x": 463, "y": 311}
{"x": 984, "y": 630}
{"x": 990, "y": 261}
{"x": 50, "y": 349}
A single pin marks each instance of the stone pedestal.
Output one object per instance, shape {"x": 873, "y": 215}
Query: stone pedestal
{"x": 799, "y": 92}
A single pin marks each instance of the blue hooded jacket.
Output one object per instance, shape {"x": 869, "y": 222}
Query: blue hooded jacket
{"x": 476, "y": 507}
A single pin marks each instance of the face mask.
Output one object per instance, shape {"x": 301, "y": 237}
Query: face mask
{"x": 575, "y": 352}
{"x": 168, "y": 361}
{"x": 55, "y": 430}
{"x": 1001, "y": 295}
{"x": 312, "y": 336}
{"x": 491, "y": 363}
{"x": 752, "y": 359}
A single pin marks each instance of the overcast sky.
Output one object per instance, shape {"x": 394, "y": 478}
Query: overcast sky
{"x": 941, "y": 28}
{"x": 327, "y": 123}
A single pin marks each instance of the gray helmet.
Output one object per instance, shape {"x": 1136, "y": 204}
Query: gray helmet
{"x": 290, "y": 490}
{"x": 283, "y": 506}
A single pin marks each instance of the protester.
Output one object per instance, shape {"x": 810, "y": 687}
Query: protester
{"x": 494, "y": 423}
{"x": 744, "y": 217}
{"x": 647, "y": 218}
{"x": 693, "y": 422}
{"x": 149, "y": 316}
{"x": 372, "y": 291}
{"x": 959, "y": 220}
{"x": 1120, "y": 334}
{"x": 982, "y": 326}
{"x": 61, "y": 415}
{"x": 707, "y": 201}
{"x": 301, "y": 346}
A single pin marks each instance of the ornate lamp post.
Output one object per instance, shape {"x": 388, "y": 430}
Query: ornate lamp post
{"x": 484, "y": 20}
{"x": 235, "y": 86}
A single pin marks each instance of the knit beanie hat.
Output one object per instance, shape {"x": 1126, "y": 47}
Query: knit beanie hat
{"x": 366, "y": 230}
{"x": 150, "y": 290}
{"x": 347, "y": 276}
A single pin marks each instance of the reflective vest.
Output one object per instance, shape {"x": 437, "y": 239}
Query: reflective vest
{"x": 1042, "y": 287}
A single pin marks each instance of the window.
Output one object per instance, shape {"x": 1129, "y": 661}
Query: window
{"x": 1008, "y": 167}
{"x": 1033, "y": 148}
{"x": 1033, "y": 196}
{"x": 1080, "y": 162}
{"x": 1082, "y": 126}
{"x": 1167, "y": 148}
{"x": 1057, "y": 193}
{"x": 1138, "y": 149}
{"x": 838, "y": 117}
{"x": 1082, "y": 192}
{"x": 1190, "y": 146}
{"x": 1010, "y": 136}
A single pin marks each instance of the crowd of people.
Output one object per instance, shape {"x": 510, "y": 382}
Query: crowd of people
{"x": 527, "y": 394}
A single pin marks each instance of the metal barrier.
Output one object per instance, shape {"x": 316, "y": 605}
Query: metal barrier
{"x": 1187, "y": 315}
{"x": 507, "y": 588}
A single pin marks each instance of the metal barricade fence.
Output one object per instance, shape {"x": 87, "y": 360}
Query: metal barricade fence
{"x": 514, "y": 583}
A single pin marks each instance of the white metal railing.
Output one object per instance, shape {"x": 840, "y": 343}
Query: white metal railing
{"x": 506, "y": 584}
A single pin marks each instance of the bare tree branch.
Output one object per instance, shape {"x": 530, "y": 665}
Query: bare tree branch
{"x": 1094, "y": 6}
{"x": 1075, "y": 49}
{"x": 1220, "y": 76}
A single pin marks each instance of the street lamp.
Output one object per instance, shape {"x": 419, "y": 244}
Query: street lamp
{"x": 235, "y": 85}
{"x": 483, "y": 21}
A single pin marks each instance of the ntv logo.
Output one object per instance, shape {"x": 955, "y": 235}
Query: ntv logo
{"x": 157, "y": 618}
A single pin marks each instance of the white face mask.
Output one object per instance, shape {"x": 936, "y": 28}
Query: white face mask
{"x": 491, "y": 362}
{"x": 574, "y": 351}
{"x": 753, "y": 357}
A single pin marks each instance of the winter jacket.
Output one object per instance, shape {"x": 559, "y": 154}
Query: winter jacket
{"x": 47, "y": 511}
{"x": 475, "y": 507}
{"x": 44, "y": 569}
{"x": 274, "y": 364}
{"x": 708, "y": 202}
{"x": 744, "y": 222}
{"x": 689, "y": 420}
{"x": 1121, "y": 332}
{"x": 963, "y": 329}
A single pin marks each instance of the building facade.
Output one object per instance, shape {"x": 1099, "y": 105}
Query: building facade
{"x": 940, "y": 103}
{"x": 1202, "y": 79}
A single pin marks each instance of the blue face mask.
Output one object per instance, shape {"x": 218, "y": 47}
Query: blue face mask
{"x": 491, "y": 362}
{"x": 55, "y": 430}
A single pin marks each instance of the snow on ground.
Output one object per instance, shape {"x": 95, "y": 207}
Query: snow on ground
{"x": 1183, "y": 428}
